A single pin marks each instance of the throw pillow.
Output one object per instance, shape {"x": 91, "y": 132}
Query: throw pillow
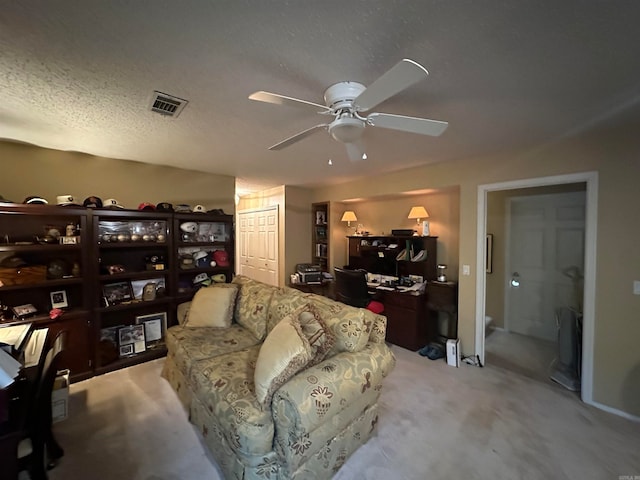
{"x": 213, "y": 306}
{"x": 284, "y": 353}
{"x": 319, "y": 335}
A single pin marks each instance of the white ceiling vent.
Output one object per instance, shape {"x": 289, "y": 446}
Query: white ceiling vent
{"x": 167, "y": 104}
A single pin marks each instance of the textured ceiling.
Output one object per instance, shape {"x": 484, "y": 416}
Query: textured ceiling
{"x": 505, "y": 75}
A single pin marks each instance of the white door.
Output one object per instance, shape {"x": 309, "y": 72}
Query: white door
{"x": 545, "y": 261}
{"x": 258, "y": 244}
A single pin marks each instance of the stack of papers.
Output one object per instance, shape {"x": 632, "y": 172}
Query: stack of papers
{"x": 9, "y": 369}
{"x": 12, "y": 338}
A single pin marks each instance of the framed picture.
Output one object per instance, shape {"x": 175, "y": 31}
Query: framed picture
{"x": 138, "y": 287}
{"x": 321, "y": 217}
{"x": 59, "y": 299}
{"x": 126, "y": 350}
{"x": 25, "y": 310}
{"x": 155, "y": 325}
{"x": 116, "y": 293}
{"x": 132, "y": 335}
{"x": 489, "y": 247}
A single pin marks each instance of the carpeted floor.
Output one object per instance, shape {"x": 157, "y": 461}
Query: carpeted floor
{"x": 436, "y": 422}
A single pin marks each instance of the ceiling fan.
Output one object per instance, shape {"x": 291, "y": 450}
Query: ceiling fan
{"x": 346, "y": 101}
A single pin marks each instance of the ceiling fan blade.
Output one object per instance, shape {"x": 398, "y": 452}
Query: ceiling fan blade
{"x": 355, "y": 150}
{"x": 404, "y": 74}
{"x": 297, "y": 137}
{"x": 422, "y": 126}
{"x": 289, "y": 101}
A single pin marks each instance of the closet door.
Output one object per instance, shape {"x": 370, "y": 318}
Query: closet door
{"x": 258, "y": 244}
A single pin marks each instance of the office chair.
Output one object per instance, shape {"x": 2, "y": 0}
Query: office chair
{"x": 351, "y": 288}
{"x": 39, "y": 451}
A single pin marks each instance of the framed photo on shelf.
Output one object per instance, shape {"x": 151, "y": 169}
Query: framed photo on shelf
{"x": 59, "y": 299}
{"x": 132, "y": 335}
{"x": 25, "y": 310}
{"x": 116, "y": 293}
{"x": 126, "y": 350}
{"x": 155, "y": 325}
{"x": 321, "y": 217}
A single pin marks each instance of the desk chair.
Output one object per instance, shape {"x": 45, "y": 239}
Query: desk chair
{"x": 351, "y": 288}
{"x": 39, "y": 451}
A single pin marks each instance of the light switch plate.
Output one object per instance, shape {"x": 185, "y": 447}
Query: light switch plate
{"x": 466, "y": 270}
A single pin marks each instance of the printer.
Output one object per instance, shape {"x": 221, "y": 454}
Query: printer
{"x": 309, "y": 273}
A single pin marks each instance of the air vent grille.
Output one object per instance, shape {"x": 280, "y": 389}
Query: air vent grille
{"x": 167, "y": 104}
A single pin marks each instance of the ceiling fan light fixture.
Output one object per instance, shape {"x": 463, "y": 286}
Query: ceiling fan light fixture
{"x": 346, "y": 129}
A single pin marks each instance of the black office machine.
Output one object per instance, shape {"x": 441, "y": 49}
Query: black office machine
{"x": 309, "y": 273}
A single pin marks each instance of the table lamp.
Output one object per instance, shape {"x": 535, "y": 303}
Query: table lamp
{"x": 349, "y": 217}
{"x": 418, "y": 213}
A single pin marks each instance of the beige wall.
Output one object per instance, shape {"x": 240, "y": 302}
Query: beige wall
{"x": 380, "y": 215}
{"x": 614, "y": 155}
{"x": 28, "y": 170}
{"x": 294, "y": 217}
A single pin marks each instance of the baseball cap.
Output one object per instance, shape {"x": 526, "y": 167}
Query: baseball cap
{"x": 201, "y": 277}
{"x": 66, "y": 200}
{"x": 183, "y": 208}
{"x": 199, "y": 209}
{"x": 146, "y": 206}
{"x": 189, "y": 227}
{"x": 92, "y": 202}
{"x": 111, "y": 203}
{"x": 201, "y": 258}
{"x": 35, "y": 200}
{"x": 164, "y": 207}
{"x": 221, "y": 257}
{"x": 217, "y": 211}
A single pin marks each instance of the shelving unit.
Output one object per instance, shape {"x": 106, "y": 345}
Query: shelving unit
{"x": 103, "y": 273}
{"x": 210, "y": 233}
{"x": 131, "y": 254}
{"x": 320, "y": 234}
{"x": 378, "y": 254}
{"x": 31, "y": 236}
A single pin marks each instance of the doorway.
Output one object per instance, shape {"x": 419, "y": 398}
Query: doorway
{"x": 589, "y": 180}
{"x": 539, "y": 256}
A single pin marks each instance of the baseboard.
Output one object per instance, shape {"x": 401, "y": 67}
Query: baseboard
{"x": 615, "y": 411}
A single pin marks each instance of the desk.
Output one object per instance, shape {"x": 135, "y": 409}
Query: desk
{"x": 407, "y": 318}
{"x": 326, "y": 288}
{"x": 443, "y": 297}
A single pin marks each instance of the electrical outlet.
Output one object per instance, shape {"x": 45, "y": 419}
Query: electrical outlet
{"x": 466, "y": 269}
{"x": 636, "y": 287}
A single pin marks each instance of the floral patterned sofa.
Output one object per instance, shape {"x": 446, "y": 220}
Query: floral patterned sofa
{"x": 315, "y": 412}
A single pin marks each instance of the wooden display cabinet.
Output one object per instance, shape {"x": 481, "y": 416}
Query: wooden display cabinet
{"x": 44, "y": 267}
{"x": 132, "y": 255}
{"x": 194, "y": 251}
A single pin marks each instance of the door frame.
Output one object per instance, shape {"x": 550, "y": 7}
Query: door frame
{"x": 591, "y": 221}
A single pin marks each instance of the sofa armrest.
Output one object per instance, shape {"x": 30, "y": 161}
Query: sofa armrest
{"x": 328, "y": 388}
{"x": 182, "y": 311}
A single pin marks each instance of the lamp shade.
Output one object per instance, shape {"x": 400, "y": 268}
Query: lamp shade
{"x": 418, "y": 213}
{"x": 349, "y": 216}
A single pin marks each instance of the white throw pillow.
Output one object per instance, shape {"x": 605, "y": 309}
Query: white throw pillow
{"x": 284, "y": 353}
{"x": 213, "y": 306}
